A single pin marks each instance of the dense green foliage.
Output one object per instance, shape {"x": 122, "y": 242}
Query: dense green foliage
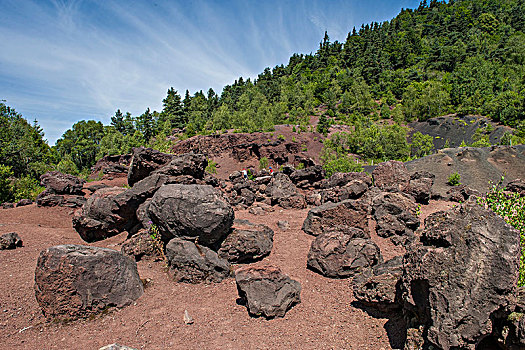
{"x": 511, "y": 207}
{"x": 462, "y": 56}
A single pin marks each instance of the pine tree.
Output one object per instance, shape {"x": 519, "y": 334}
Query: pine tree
{"x": 118, "y": 121}
{"x": 173, "y": 110}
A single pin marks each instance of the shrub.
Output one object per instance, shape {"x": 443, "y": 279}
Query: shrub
{"x": 26, "y": 187}
{"x": 263, "y": 163}
{"x": 454, "y": 179}
{"x": 511, "y": 207}
{"x": 6, "y": 188}
{"x": 211, "y": 168}
{"x": 343, "y": 164}
{"x": 281, "y": 137}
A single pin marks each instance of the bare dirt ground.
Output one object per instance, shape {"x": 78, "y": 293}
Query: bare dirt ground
{"x": 325, "y": 318}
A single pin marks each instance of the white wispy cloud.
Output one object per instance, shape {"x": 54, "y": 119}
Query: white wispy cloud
{"x": 66, "y": 60}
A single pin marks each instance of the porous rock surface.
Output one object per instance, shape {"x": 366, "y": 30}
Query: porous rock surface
{"x": 59, "y": 183}
{"x": 339, "y": 254}
{"x": 193, "y": 263}
{"x": 391, "y": 176}
{"x": 191, "y": 212}
{"x": 350, "y": 213}
{"x": 144, "y": 161}
{"x": 73, "y": 281}
{"x": 463, "y": 274}
{"x": 10, "y": 240}
{"x": 266, "y": 291}
{"x": 247, "y": 242}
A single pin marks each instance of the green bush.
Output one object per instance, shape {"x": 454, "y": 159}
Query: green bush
{"x": 211, "y": 168}
{"x": 511, "y": 207}
{"x": 343, "y": 164}
{"x": 6, "y": 188}
{"x": 454, "y": 179}
{"x": 26, "y": 187}
{"x": 263, "y": 163}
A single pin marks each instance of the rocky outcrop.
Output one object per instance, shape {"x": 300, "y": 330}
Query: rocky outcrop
{"x": 338, "y": 254}
{"x": 142, "y": 245}
{"x": 348, "y": 213}
{"x": 191, "y": 212}
{"x": 10, "y": 240}
{"x": 517, "y": 186}
{"x": 461, "y": 193}
{"x": 342, "y": 179}
{"x": 461, "y": 277}
{"x": 114, "y": 165}
{"x": 58, "y": 183}
{"x": 266, "y": 291}
{"x": 73, "y": 281}
{"x": 340, "y": 187}
{"x": 247, "y": 242}
{"x": 193, "y": 263}
{"x": 144, "y": 161}
{"x": 189, "y": 164}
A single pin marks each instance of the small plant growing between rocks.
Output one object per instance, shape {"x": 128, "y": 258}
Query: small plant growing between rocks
{"x": 211, "y": 168}
{"x": 158, "y": 245}
{"x": 511, "y": 207}
{"x": 281, "y": 137}
{"x": 454, "y": 179}
{"x": 263, "y": 163}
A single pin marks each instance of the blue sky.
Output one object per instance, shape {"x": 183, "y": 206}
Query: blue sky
{"x": 63, "y": 61}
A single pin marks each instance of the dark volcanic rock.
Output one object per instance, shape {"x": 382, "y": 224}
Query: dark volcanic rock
{"x": 465, "y": 272}
{"x": 191, "y": 212}
{"x": 339, "y": 255}
{"x": 352, "y": 189}
{"x": 266, "y": 291}
{"x": 10, "y": 240}
{"x": 461, "y": 193}
{"x": 186, "y": 164}
{"x": 247, "y": 243}
{"x": 280, "y": 188}
{"x": 296, "y": 201}
{"x": 144, "y": 161}
{"x": 73, "y": 281}
{"x": 420, "y": 186}
{"x": 517, "y": 186}
{"x": 98, "y": 219}
{"x": 193, "y": 263}
{"x": 49, "y": 199}
{"x": 348, "y": 213}
{"x": 341, "y": 179}
{"x": 307, "y": 177}
{"x": 379, "y": 287}
{"x": 24, "y": 202}
{"x": 142, "y": 246}
{"x": 395, "y": 215}
{"x": 59, "y": 183}
{"x": 391, "y": 176}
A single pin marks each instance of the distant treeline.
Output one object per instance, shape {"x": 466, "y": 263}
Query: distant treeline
{"x": 463, "y": 56}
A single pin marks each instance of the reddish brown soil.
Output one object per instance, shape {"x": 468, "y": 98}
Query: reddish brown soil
{"x": 325, "y": 319}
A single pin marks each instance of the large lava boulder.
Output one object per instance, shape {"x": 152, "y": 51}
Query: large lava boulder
{"x": 307, "y": 177}
{"x": 58, "y": 183}
{"x": 420, "y": 186}
{"x": 144, "y": 161}
{"x": 73, "y": 281}
{"x": 112, "y": 210}
{"x": 247, "y": 242}
{"x": 342, "y": 179}
{"x": 266, "y": 291}
{"x": 192, "y": 263}
{"x": 391, "y": 176}
{"x": 280, "y": 188}
{"x": 462, "y": 275}
{"x": 339, "y": 254}
{"x": 395, "y": 215}
{"x": 349, "y": 213}
{"x": 191, "y": 212}
{"x": 188, "y": 164}
{"x": 49, "y": 199}
{"x": 99, "y": 219}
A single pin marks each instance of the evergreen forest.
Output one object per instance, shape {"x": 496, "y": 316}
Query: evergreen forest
{"x": 458, "y": 57}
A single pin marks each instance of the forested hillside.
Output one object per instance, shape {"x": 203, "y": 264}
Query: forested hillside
{"x": 464, "y": 57}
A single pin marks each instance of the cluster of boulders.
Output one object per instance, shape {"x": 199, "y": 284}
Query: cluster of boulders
{"x": 171, "y": 211}
{"x": 61, "y": 190}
